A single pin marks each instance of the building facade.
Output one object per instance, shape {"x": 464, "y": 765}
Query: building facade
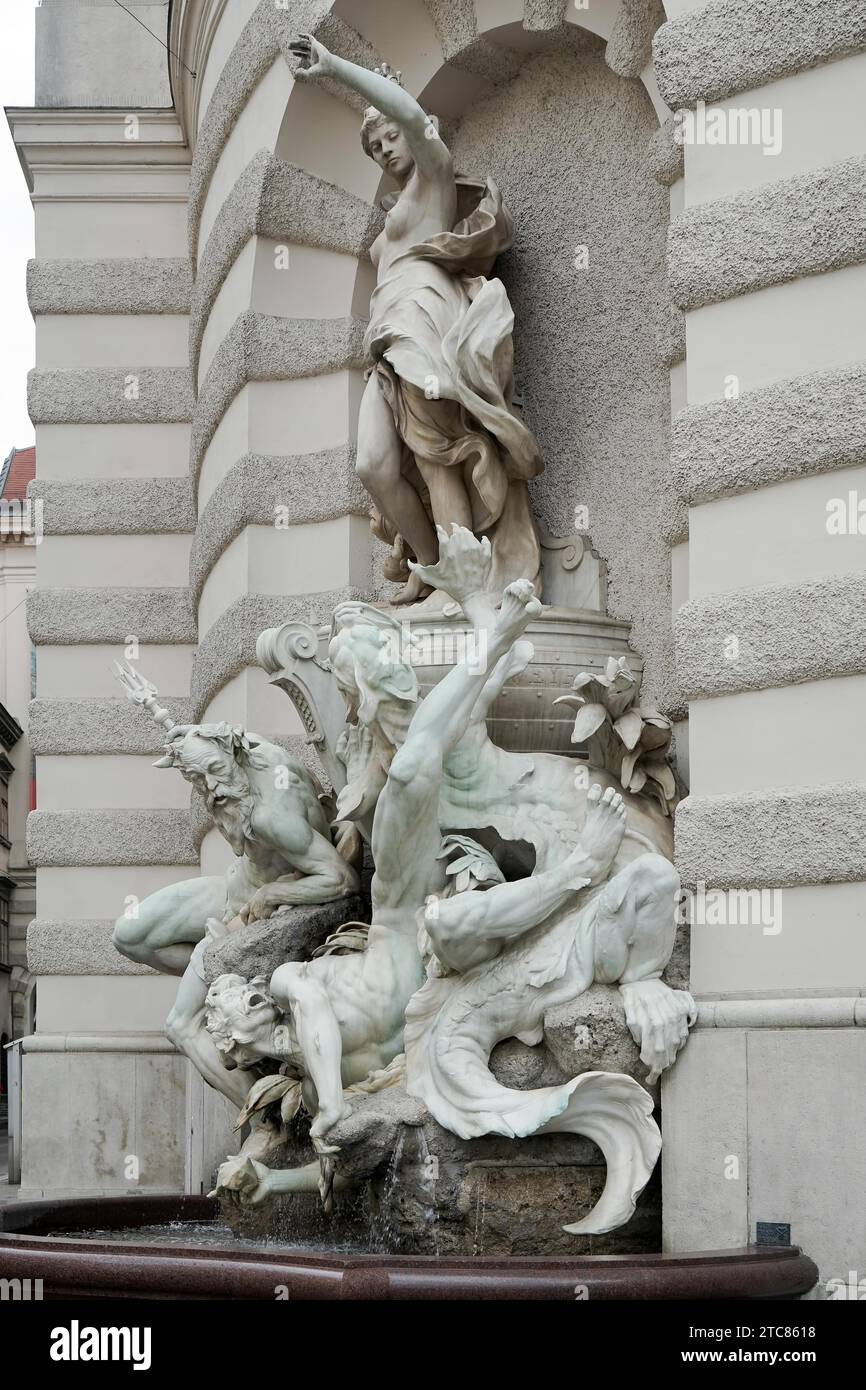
{"x": 19, "y": 536}
{"x": 687, "y": 182}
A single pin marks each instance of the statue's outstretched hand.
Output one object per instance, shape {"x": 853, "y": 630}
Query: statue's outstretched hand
{"x": 313, "y": 57}
{"x": 464, "y": 564}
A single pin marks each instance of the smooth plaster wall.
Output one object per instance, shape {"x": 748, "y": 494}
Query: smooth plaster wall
{"x": 268, "y": 712}
{"x": 771, "y": 738}
{"x": 69, "y": 229}
{"x": 808, "y": 325}
{"x": 782, "y": 1104}
{"x": 272, "y": 417}
{"x": 87, "y": 672}
{"x": 82, "y": 1003}
{"x": 102, "y": 1107}
{"x": 780, "y": 534}
{"x": 90, "y": 891}
{"x": 72, "y": 40}
{"x": 782, "y": 937}
{"x": 816, "y": 128}
{"x": 231, "y": 24}
{"x": 136, "y": 561}
{"x": 67, "y": 452}
{"x": 102, "y": 340}
{"x": 567, "y": 143}
{"x": 70, "y": 781}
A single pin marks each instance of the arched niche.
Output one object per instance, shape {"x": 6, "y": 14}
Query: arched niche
{"x": 566, "y": 138}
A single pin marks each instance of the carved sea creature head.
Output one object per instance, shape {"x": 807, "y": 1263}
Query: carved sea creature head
{"x": 240, "y": 1013}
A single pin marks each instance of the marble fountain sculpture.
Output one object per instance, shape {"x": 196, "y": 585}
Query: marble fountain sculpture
{"x": 506, "y": 883}
{"x": 448, "y": 976}
{"x": 467, "y": 947}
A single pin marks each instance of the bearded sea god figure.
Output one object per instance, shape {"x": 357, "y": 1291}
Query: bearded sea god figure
{"x": 438, "y": 440}
{"x": 271, "y": 812}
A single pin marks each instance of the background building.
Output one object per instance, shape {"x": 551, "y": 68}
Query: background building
{"x": 691, "y": 355}
{"x": 17, "y": 779}
{"x": 10, "y": 733}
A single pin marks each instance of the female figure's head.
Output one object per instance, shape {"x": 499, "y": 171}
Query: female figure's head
{"x": 384, "y": 140}
{"x": 386, "y": 144}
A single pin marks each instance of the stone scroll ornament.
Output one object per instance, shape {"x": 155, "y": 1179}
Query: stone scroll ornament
{"x": 466, "y": 948}
{"x": 439, "y": 442}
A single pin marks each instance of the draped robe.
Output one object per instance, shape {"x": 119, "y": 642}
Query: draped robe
{"x": 440, "y": 338}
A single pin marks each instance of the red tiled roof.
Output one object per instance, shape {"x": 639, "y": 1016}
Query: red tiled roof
{"x": 18, "y": 470}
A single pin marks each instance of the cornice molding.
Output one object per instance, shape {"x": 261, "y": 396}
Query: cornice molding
{"x": 88, "y": 143}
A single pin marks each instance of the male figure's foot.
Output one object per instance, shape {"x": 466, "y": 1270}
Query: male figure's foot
{"x": 519, "y": 606}
{"x": 433, "y": 602}
{"x": 602, "y": 833}
{"x": 413, "y": 591}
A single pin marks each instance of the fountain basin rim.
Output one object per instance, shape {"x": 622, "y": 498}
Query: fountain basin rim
{"x": 74, "y": 1269}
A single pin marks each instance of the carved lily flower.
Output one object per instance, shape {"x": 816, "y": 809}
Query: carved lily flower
{"x": 642, "y": 730}
{"x": 624, "y": 738}
{"x": 645, "y": 766}
{"x": 608, "y": 694}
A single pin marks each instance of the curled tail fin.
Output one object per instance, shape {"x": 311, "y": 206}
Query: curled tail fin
{"x": 615, "y": 1112}
{"x": 448, "y": 1068}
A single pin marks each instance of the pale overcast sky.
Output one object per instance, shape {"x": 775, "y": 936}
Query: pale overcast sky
{"x": 16, "y": 242}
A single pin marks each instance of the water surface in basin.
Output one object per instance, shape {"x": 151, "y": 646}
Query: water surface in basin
{"x": 213, "y": 1234}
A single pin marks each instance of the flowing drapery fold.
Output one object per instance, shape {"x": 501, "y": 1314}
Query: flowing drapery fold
{"x": 440, "y": 338}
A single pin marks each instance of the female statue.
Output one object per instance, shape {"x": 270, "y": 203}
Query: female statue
{"x": 438, "y": 440}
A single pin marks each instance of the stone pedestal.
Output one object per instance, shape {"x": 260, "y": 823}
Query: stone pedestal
{"x": 103, "y": 1116}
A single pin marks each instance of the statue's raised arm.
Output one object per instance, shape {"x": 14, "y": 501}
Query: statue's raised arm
{"x": 384, "y": 92}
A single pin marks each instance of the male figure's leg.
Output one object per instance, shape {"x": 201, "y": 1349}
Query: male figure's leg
{"x": 406, "y": 834}
{"x": 161, "y": 930}
{"x": 635, "y": 932}
{"x": 305, "y": 996}
{"x": 185, "y": 1027}
{"x": 164, "y": 932}
{"x": 445, "y": 713}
